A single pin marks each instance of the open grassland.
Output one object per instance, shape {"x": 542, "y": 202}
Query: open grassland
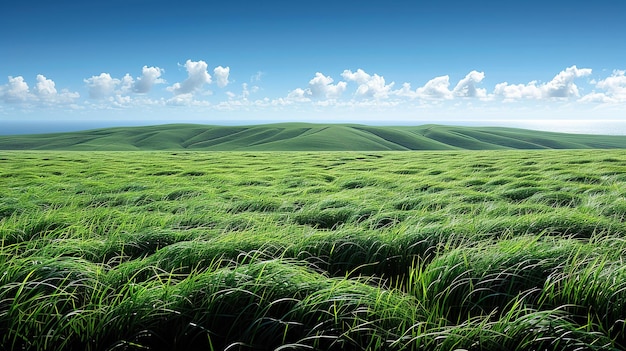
{"x": 478, "y": 250}
{"x": 307, "y": 137}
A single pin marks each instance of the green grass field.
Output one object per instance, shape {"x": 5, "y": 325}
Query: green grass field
{"x": 432, "y": 250}
{"x": 306, "y": 137}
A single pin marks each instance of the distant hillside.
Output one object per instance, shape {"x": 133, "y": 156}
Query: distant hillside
{"x": 306, "y": 137}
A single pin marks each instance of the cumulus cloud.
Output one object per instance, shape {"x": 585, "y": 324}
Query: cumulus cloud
{"x": 614, "y": 89}
{"x": 298, "y": 95}
{"x": 197, "y": 76}
{"x": 561, "y": 86}
{"x": 221, "y": 76}
{"x": 104, "y": 86}
{"x": 149, "y": 77}
{"x": 44, "y": 92}
{"x": 321, "y": 87}
{"x": 16, "y": 90}
{"x": 436, "y": 88}
{"x": 370, "y": 86}
{"x": 615, "y": 85}
{"x": 126, "y": 84}
{"x": 45, "y": 87}
{"x": 466, "y": 87}
{"x": 518, "y": 91}
{"x": 374, "y": 88}
{"x": 101, "y": 86}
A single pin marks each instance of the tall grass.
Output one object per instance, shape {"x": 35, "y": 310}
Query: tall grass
{"x": 297, "y": 251}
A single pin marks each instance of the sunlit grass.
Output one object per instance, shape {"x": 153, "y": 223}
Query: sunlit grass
{"x": 388, "y": 251}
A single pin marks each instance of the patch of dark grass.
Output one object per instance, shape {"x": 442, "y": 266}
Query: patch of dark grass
{"x": 333, "y": 203}
{"x": 474, "y": 182}
{"x": 580, "y": 162}
{"x": 36, "y": 229}
{"x": 583, "y": 178}
{"x": 131, "y": 187}
{"x": 254, "y": 182}
{"x": 616, "y": 209}
{"x": 567, "y": 224}
{"x": 165, "y": 173}
{"x": 357, "y": 183}
{"x": 182, "y": 194}
{"x": 255, "y": 205}
{"x": 385, "y": 220}
{"x": 611, "y": 160}
{"x": 139, "y": 245}
{"x": 10, "y": 207}
{"x": 193, "y": 174}
{"x": 557, "y": 198}
{"x": 408, "y": 203}
{"x": 329, "y": 218}
{"x": 522, "y": 193}
{"x": 407, "y": 171}
{"x": 499, "y": 181}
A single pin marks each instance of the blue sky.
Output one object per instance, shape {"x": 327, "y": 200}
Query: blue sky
{"x": 544, "y": 64}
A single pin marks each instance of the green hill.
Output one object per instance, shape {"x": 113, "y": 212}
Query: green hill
{"x": 307, "y": 137}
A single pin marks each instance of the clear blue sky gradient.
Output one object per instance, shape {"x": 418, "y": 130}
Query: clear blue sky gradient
{"x": 274, "y": 49}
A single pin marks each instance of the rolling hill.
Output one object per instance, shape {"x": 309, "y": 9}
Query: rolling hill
{"x": 306, "y": 137}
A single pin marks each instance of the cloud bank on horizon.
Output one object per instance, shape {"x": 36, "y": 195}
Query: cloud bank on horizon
{"x": 348, "y": 89}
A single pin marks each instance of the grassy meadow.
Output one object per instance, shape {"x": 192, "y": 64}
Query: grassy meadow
{"x": 430, "y": 250}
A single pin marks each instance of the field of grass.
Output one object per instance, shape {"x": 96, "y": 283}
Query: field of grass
{"x": 438, "y": 250}
{"x": 307, "y": 137}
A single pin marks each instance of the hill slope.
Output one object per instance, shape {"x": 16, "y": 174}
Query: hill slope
{"x": 307, "y": 137}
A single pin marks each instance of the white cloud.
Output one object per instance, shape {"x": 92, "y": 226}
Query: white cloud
{"x": 43, "y": 93}
{"x": 597, "y": 98}
{"x": 187, "y": 100}
{"x": 518, "y": 91}
{"x": 370, "y": 86}
{"x": 436, "y": 88}
{"x": 614, "y": 87}
{"x": 126, "y": 84}
{"x": 15, "y": 91}
{"x": 359, "y": 77}
{"x": 298, "y": 95}
{"x": 115, "y": 91}
{"x": 221, "y": 76}
{"x": 46, "y": 92}
{"x": 561, "y": 86}
{"x": 197, "y": 77}
{"x": 149, "y": 77}
{"x": 615, "y": 84}
{"x": 45, "y": 87}
{"x": 321, "y": 87}
{"x": 466, "y": 87}
{"x": 405, "y": 91}
{"x": 101, "y": 86}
